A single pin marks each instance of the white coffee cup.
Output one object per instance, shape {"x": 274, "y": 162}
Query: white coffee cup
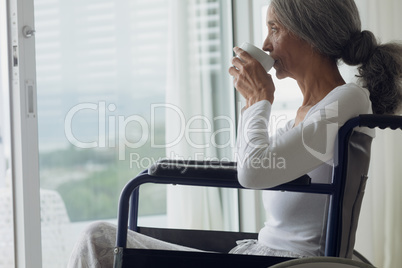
{"x": 266, "y": 60}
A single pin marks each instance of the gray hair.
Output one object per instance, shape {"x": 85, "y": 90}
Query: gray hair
{"x": 333, "y": 28}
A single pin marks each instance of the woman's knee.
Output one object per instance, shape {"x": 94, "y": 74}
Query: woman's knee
{"x": 99, "y": 234}
{"x": 95, "y": 246}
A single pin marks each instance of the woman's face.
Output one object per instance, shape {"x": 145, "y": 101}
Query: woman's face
{"x": 289, "y": 52}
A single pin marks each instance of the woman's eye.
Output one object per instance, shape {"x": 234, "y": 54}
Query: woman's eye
{"x": 272, "y": 29}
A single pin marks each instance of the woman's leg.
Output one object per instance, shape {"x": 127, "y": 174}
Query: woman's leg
{"x": 95, "y": 246}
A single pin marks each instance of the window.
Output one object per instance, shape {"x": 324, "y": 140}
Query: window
{"x": 106, "y": 91}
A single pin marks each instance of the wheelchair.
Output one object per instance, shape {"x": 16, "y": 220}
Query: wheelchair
{"x": 346, "y": 193}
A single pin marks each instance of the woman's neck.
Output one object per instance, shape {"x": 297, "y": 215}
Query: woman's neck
{"x": 319, "y": 78}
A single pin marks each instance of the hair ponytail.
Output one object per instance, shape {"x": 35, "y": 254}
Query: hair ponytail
{"x": 360, "y": 48}
{"x": 380, "y": 71}
{"x": 381, "y": 74}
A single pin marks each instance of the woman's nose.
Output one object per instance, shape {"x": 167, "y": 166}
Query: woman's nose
{"x": 267, "y": 45}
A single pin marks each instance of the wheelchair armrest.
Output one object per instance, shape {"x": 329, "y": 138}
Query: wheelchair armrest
{"x": 218, "y": 170}
{"x": 191, "y": 173}
{"x": 381, "y": 121}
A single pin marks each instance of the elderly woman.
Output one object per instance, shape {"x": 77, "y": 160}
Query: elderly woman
{"x": 306, "y": 38}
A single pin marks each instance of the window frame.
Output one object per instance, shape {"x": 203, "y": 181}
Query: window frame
{"x": 24, "y": 135}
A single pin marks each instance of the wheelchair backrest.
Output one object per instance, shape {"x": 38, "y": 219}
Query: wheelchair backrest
{"x": 358, "y": 161}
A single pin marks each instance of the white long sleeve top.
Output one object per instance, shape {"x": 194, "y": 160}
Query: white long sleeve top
{"x": 296, "y": 221}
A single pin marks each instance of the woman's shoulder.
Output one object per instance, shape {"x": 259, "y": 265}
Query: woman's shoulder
{"x": 349, "y": 90}
{"x": 343, "y": 103}
{"x": 348, "y": 97}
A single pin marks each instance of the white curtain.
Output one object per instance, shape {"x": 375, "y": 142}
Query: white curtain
{"x": 379, "y": 235}
{"x": 191, "y": 96}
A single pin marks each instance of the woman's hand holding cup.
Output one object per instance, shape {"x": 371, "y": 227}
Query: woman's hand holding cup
{"x": 250, "y": 77}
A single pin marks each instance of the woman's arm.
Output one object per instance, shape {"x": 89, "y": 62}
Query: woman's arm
{"x": 265, "y": 162}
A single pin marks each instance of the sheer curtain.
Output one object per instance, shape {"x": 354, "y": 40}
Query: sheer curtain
{"x": 379, "y": 234}
{"x": 196, "y": 128}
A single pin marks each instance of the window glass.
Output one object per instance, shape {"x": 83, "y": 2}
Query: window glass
{"x": 104, "y": 82}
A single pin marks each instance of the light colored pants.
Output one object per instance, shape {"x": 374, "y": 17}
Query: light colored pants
{"x": 95, "y": 246}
